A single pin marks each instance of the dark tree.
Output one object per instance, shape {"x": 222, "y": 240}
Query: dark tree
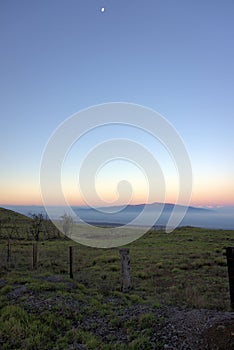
{"x": 38, "y": 225}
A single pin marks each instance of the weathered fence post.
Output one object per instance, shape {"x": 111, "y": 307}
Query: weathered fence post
{"x": 230, "y": 263}
{"x": 9, "y": 250}
{"x": 35, "y": 255}
{"x": 71, "y": 261}
{"x": 126, "y": 284}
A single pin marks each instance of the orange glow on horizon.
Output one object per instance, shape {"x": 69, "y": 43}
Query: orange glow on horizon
{"x": 203, "y": 195}
{"x": 196, "y": 202}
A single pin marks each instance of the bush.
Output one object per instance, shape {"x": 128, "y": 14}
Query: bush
{"x": 19, "y": 330}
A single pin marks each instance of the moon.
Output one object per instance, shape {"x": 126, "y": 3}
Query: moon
{"x": 103, "y": 9}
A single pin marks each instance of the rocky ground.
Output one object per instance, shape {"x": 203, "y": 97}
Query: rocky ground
{"x": 197, "y": 329}
{"x": 174, "y": 328}
{"x": 185, "y": 329}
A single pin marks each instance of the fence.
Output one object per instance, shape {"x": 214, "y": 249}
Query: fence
{"x": 230, "y": 263}
{"x": 34, "y": 257}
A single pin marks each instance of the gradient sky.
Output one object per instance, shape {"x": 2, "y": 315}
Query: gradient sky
{"x": 176, "y": 57}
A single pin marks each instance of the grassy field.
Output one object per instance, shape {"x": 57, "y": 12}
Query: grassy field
{"x": 45, "y": 309}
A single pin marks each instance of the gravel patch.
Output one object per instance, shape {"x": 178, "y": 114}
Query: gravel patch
{"x": 192, "y": 329}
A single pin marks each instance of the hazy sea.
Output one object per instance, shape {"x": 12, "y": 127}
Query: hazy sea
{"x": 218, "y": 218}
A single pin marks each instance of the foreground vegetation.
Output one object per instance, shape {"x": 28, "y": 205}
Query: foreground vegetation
{"x": 45, "y": 309}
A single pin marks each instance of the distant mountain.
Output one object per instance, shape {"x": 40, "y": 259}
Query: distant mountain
{"x": 126, "y": 214}
{"x": 153, "y": 206}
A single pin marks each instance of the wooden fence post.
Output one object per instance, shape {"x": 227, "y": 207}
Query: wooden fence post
{"x": 126, "y": 283}
{"x": 35, "y": 255}
{"x": 9, "y": 250}
{"x": 230, "y": 263}
{"x": 71, "y": 261}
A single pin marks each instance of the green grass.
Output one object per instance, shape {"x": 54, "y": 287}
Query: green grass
{"x": 45, "y": 309}
{"x": 186, "y": 267}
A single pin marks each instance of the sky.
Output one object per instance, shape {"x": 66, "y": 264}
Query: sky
{"x": 58, "y": 57}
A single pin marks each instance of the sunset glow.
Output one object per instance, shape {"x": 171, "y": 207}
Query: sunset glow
{"x": 53, "y": 66}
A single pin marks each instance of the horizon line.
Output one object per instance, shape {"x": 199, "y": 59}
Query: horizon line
{"x": 120, "y": 205}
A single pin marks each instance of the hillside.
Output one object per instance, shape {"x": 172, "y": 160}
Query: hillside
{"x": 7, "y": 215}
{"x": 18, "y": 226}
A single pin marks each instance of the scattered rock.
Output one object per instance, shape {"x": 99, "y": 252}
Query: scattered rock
{"x": 17, "y": 292}
{"x": 176, "y": 328}
{"x": 192, "y": 329}
{"x": 2, "y": 283}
